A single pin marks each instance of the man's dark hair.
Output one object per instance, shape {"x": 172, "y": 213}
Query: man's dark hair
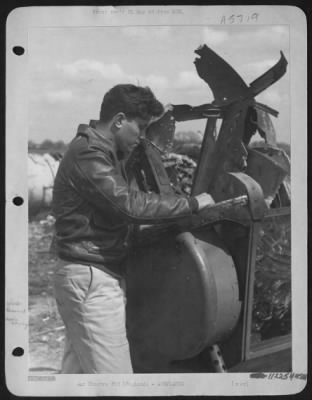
{"x": 133, "y": 101}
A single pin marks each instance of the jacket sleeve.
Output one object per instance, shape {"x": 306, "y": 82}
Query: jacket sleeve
{"x": 99, "y": 181}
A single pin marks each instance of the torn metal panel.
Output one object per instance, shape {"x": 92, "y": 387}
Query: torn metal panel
{"x": 265, "y": 127}
{"x": 271, "y": 76}
{"x": 161, "y": 132}
{"x": 266, "y": 108}
{"x": 225, "y": 83}
{"x": 269, "y": 169}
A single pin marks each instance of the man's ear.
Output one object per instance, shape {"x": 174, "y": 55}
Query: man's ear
{"x": 119, "y": 119}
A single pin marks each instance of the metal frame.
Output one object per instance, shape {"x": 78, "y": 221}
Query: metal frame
{"x": 249, "y": 288}
{"x": 269, "y": 346}
{"x": 275, "y": 344}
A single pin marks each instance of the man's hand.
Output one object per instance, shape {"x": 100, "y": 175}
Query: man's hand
{"x": 204, "y": 200}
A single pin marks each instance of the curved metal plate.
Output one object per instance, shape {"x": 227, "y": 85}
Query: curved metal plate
{"x": 269, "y": 168}
{"x": 233, "y": 184}
{"x": 181, "y": 297}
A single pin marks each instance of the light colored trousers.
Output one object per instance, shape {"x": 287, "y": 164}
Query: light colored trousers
{"x": 92, "y": 304}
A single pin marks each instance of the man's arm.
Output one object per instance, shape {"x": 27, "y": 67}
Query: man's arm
{"x": 98, "y": 180}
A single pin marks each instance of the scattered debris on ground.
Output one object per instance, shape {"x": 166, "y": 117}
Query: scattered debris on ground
{"x": 46, "y": 330}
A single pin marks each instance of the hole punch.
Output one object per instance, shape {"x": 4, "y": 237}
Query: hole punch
{"x": 18, "y": 352}
{"x": 18, "y": 50}
{"x": 18, "y": 201}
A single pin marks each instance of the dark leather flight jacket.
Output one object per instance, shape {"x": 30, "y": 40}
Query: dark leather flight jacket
{"x": 94, "y": 206}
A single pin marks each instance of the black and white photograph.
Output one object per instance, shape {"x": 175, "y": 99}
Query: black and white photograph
{"x": 156, "y": 169}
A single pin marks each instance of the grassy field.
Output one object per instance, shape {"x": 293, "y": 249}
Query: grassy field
{"x": 46, "y": 330}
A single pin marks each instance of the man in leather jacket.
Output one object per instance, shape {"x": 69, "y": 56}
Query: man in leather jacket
{"x": 94, "y": 206}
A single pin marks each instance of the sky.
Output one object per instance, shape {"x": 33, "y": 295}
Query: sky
{"x": 70, "y": 69}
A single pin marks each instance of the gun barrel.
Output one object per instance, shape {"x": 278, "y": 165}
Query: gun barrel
{"x": 219, "y": 211}
{"x": 149, "y": 234}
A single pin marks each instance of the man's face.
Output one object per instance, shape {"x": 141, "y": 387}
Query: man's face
{"x": 129, "y": 133}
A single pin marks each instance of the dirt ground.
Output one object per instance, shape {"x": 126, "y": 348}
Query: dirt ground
{"x": 46, "y": 329}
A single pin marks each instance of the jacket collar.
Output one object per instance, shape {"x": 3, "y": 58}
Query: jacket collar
{"x": 92, "y": 130}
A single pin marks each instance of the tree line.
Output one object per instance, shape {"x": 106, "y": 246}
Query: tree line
{"x": 47, "y": 146}
{"x": 182, "y": 139}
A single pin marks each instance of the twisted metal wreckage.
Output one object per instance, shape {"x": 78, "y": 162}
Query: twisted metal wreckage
{"x": 215, "y": 291}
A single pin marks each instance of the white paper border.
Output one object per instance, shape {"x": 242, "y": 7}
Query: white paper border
{"x": 19, "y": 22}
